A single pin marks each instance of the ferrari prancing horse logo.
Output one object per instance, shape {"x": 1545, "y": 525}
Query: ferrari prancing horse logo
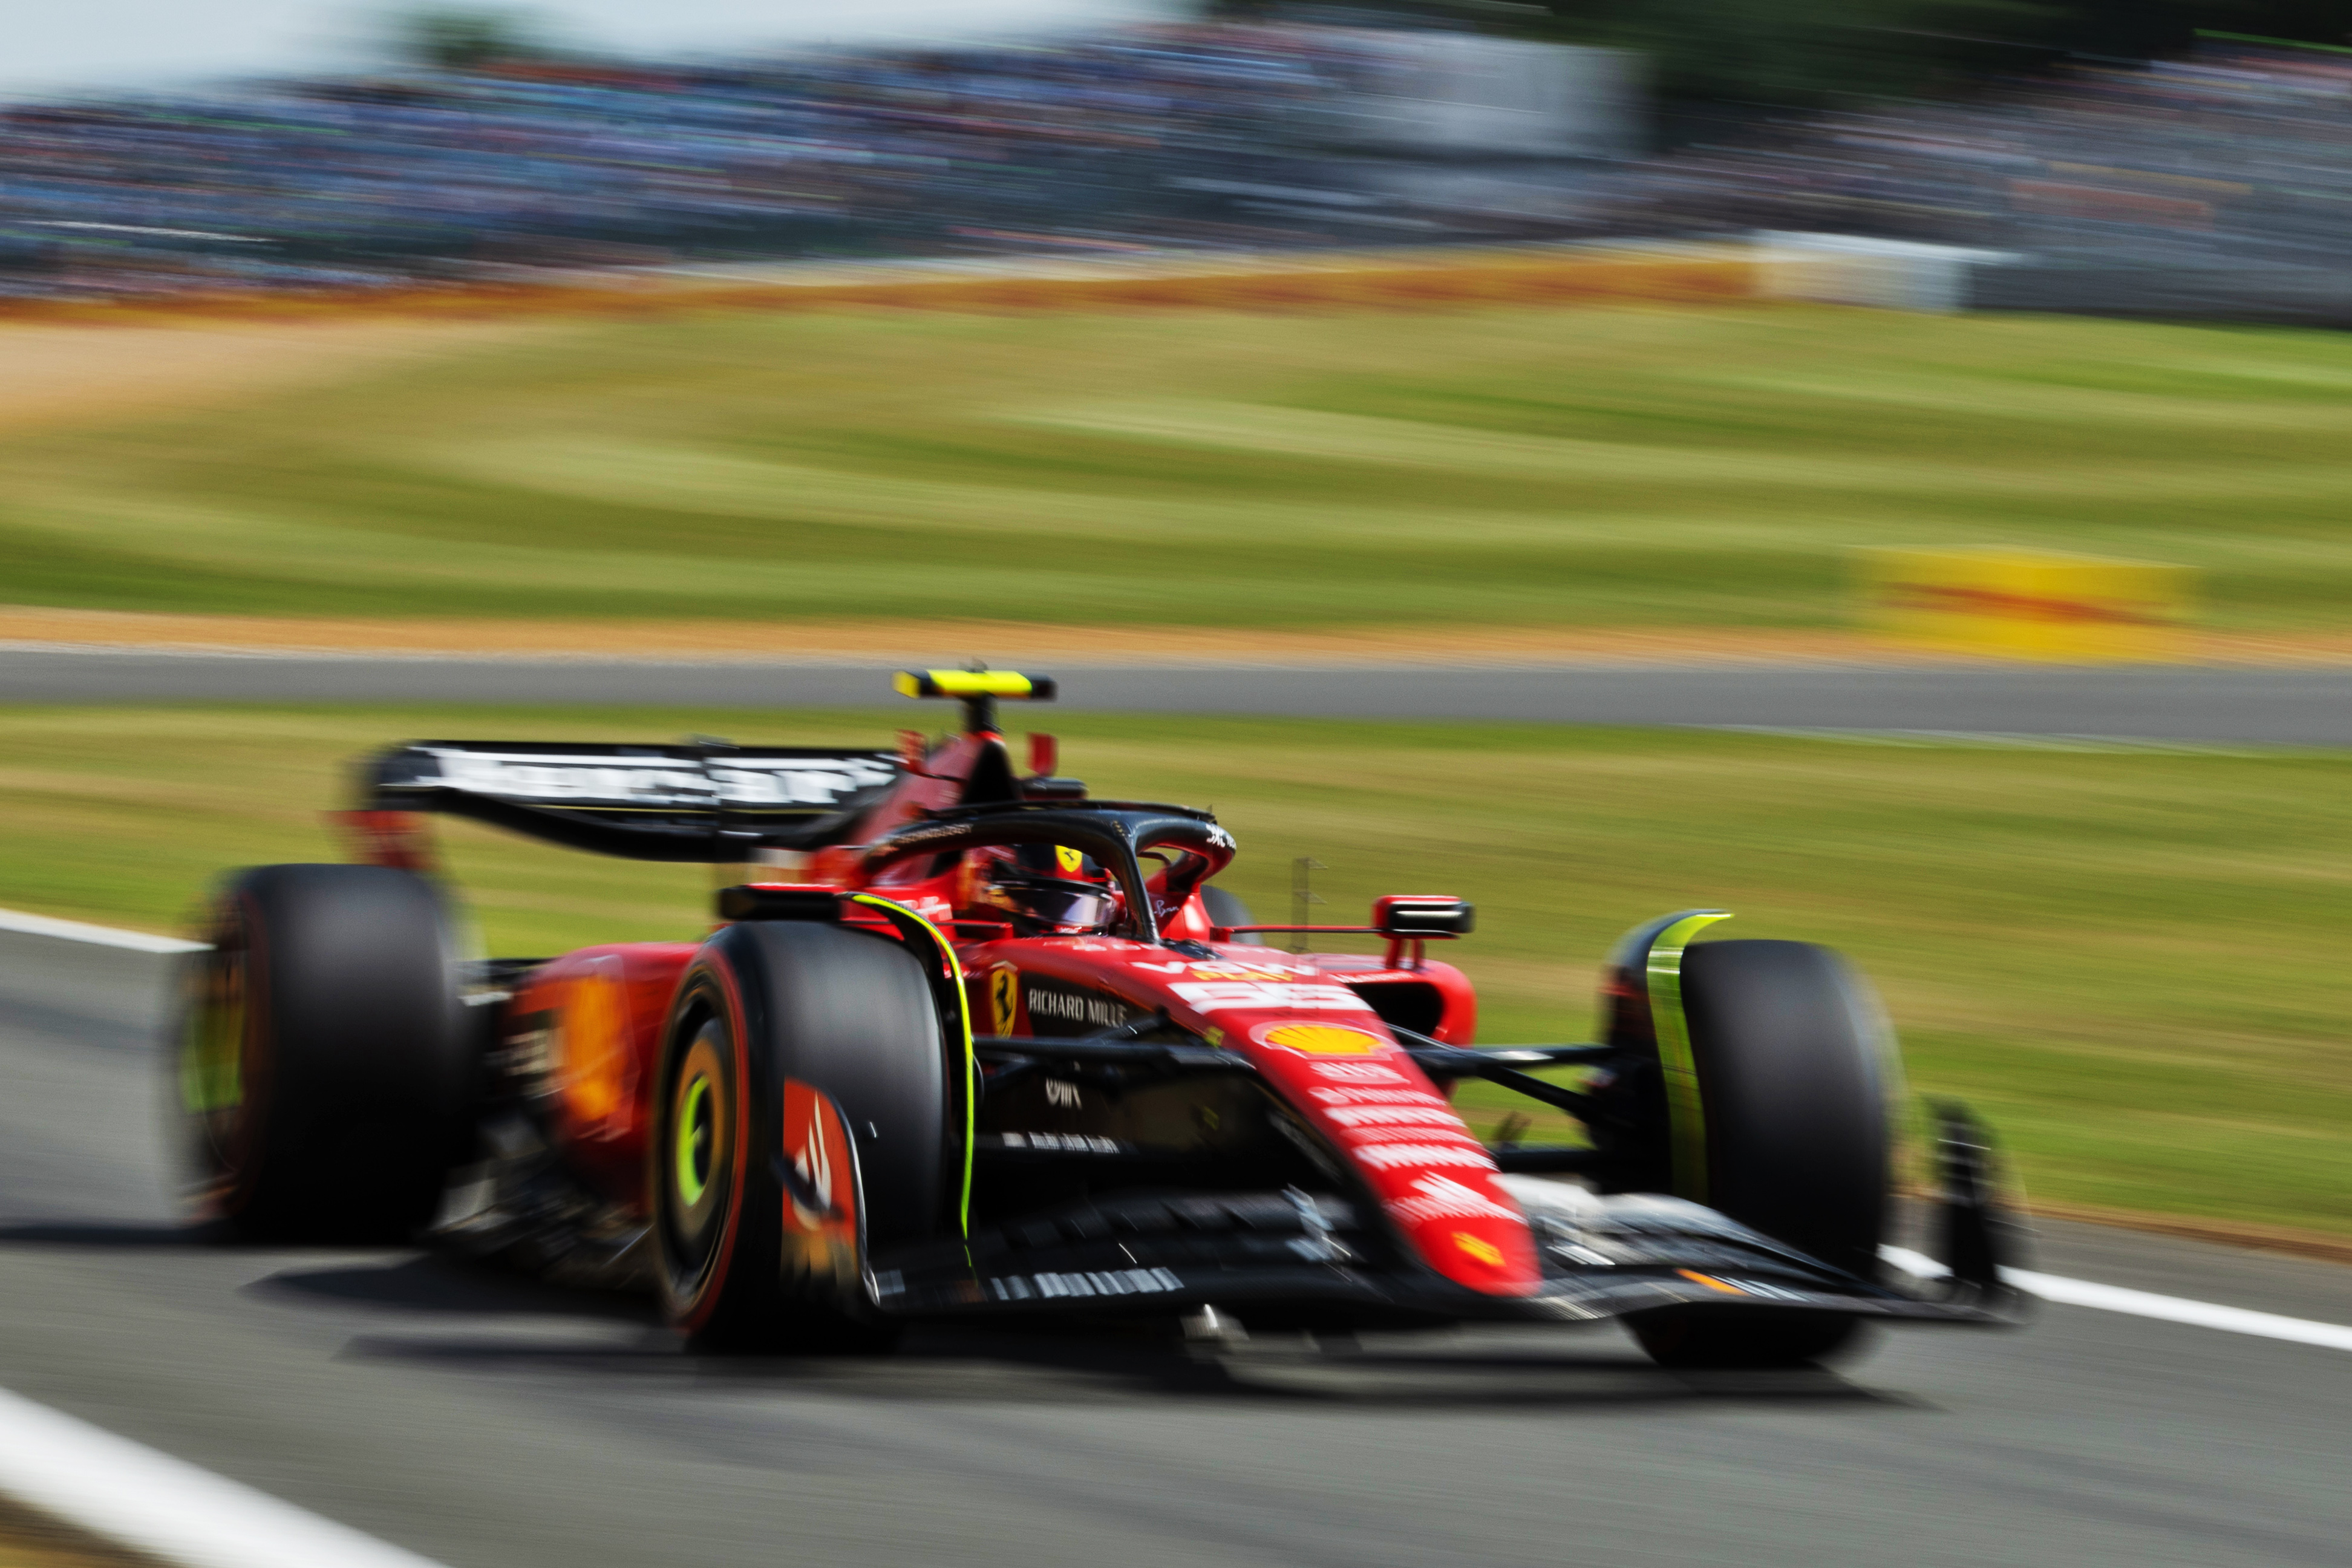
{"x": 1003, "y": 996}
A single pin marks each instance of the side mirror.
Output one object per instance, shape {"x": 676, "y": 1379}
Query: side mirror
{"x": 1418, "y": 915}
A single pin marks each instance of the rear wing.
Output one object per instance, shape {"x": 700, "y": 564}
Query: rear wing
{"x": 709, "y": 803}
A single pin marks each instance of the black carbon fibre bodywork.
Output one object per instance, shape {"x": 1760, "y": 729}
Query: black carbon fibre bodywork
{"x": 1322, "y": 1260}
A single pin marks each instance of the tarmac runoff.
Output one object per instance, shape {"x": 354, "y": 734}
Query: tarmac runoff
{"x": 1955, "y": 703}
{"x": 165, "y": 1508}
{"x": 79, "y": 1010}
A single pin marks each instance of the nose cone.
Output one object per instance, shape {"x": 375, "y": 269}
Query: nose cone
{"x": 1345, "y": 1073}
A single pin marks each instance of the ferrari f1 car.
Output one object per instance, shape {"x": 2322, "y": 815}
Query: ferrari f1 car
{"x": 988, "y": 1046}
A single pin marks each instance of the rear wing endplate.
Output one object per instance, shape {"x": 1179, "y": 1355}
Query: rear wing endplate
{"x": 705, "y": 803}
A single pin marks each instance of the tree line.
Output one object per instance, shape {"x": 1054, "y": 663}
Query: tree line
{"x": 1807, "y": 52}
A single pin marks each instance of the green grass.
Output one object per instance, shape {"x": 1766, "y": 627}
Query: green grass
{"x": 2131, "y": 961}
{"x": 1515, "y": 467}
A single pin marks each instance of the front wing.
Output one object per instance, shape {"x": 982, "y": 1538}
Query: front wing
{"x": 1292, "y": 1254}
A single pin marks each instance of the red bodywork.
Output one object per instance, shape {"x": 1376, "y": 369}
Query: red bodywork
{"x": 1301, "y": 1019}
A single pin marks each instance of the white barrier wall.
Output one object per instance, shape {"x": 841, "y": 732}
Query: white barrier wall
{"x": 1854, "y": 269}
{"x": 1461, "y": 95}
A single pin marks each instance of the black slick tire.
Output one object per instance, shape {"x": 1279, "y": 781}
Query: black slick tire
{"x": 1786, "y": 1046}
{"x": 322, "y": 1068}
{"x": 848, "y": 1014}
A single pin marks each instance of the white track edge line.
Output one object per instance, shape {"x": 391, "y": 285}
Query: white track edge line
{"x": 103, "y": 936}
{"x": 2145, "y": 1304}
{"x": 165, "y": 1506}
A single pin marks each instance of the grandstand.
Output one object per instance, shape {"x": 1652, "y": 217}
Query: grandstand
{"x": 2217, "y": 186}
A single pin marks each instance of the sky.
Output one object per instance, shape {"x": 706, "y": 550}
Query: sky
{"x": 101, "y": 44}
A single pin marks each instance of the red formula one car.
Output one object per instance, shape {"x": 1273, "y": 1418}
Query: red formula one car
{"x": 1001, "y": 1048}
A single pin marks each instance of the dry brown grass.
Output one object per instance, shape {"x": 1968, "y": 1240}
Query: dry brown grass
{"x": 1498, "y": 483}
{"x": 29, "y": 1538}
{"x": 930, "y": 641}
{"x": 60, "y": 375}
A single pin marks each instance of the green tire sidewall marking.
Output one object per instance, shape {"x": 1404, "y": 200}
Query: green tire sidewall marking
{"x": 970, "y": 1057}
{"x": 212, "y": 1052}
{"x": 692, "y": 1183}
{"x": 1686, "y": 1108}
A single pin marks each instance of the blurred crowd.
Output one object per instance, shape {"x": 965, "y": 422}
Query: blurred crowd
{"x": 1152, "y": 138}
{"x": 1171, "y": 137}
{"x": 2241, "y": 155}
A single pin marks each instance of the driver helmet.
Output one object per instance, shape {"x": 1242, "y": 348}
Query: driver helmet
{"x": 1046, "y": 889}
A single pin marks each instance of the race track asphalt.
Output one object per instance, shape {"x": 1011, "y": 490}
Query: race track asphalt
{"x": 491, "y": 1423}
{"x": 2244, "y": 704}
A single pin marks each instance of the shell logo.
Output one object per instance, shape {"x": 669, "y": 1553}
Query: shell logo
{"x": 1484, "y": 1251}
{"x": 1321, "y": 1039}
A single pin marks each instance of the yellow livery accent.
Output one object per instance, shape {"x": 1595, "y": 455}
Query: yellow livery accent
{"x": 1686, "y": 1113}
{"x": 591, "y": 1044}
{"x": 1711, "y": 1282}
{"x": 1323, "y": 1039}
{"x": 893, "y": 907}
{"x": 1003, "y": 996}
{"x": 1479, "y": 1247}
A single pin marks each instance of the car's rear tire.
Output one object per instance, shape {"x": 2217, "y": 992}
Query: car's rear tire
{"x": 1227, "y": 909}
{"x": 767, "y": 1005}
{"x": 1786, "y": 1046}
{"x": 323, "y": 1071}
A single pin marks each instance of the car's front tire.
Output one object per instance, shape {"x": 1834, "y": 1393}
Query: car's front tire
{"x": 1785, "y": 1044}
{"x": 800, "y": 1119}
